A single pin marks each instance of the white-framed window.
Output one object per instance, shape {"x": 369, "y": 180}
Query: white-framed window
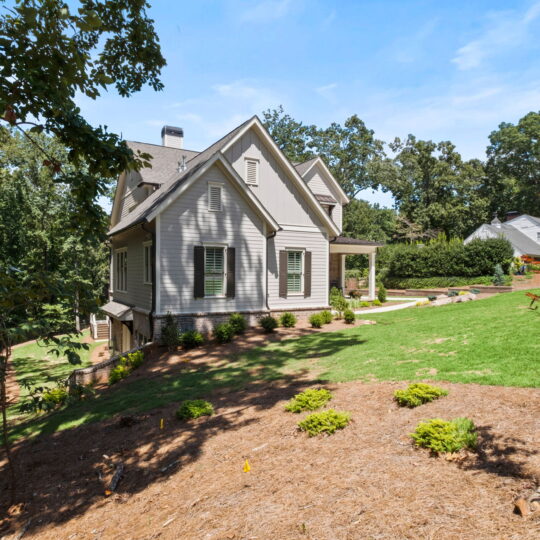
{"x": 215, "y": 192}
{"x": 214, "y": 271}
{"x": 147, "y": 262}
{"x": 252, "y": 171}
{"x": 295, "y": 272}
{"x": 121, "y": 269}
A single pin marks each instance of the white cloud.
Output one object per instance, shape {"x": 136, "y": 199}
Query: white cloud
{"x": 267, "y": 10}
{"x": 505, "y": 30}
{"x": 327, "y": 91}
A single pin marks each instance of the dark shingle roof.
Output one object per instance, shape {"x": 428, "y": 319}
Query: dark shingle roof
{"x": 354, "y": 241}
{"x": 327, "y": 199}
{"x": 301, "y": 168}
{"x": 171, "y": 182}
{"x": 164, "y": 160}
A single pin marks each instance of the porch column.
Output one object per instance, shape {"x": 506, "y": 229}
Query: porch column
{"x": 343, "y": 273}
{"x": 371, "y": 294}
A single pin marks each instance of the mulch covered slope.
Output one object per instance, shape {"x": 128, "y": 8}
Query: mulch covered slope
{"x": 367, "y": 481}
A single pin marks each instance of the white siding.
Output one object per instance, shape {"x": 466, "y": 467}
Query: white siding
{"x": 133, "y": 195}
{"x": 138, "y": 293}
{"x": 313, "y": 241}
{"x": 276, "y": 190}
{"x": 186, "y": 223}
{"x": 319, "y": 185}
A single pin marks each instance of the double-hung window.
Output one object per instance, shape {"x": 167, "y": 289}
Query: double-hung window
{"x": 147, "y": 247}
{"x": 295, "y": 272}
{"x": 214, "y": 271}
{"x": 121, "y": 269}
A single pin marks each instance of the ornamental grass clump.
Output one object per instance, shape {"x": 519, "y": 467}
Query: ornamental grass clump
{"x": 309, "y": 400}
{"x": 417, "y": 394}
{"x": 194, "y": 408}
{"x": 324, "y": 422}
{"x": 442, "y": 436}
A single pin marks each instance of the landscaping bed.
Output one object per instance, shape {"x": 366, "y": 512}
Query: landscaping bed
{"x": 367, "y": 480}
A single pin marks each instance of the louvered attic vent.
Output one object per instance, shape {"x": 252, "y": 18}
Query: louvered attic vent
{"x": 252, "y": 172}
{"x": 214, "y": 197}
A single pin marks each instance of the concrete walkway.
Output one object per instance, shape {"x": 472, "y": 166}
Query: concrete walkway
{"x": 383, "y": 309}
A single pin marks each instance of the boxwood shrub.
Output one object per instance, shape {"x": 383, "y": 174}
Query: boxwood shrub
{"x": 268, "y": 323}
{"x": 288, "y": 320}
{"x": 238, "y": 322}
{"x": 327, "y": 316}
{"x": 349, "y": 316}
{"x": 224, "y": 332}
{"x": 316, "y": 320}
{"x": 191, "y": 339}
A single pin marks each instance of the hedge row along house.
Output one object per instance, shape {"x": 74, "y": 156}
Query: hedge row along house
{"x": 235, "y": 228}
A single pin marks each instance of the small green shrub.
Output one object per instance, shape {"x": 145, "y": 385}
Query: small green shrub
{"x": 444, "y": 436}
{"x": 288, "y": 320}
{"x": 376, "y": 302}
{"x": 432, "y": 298}
{"x": 316, "y": 320}
{"x": 381, "y": 294}
{"x": 463, "y": 293}
{"x": 349, "y": 316}
{"x": 324, "y": 422}
{"x": 192, "y": 339}
{"x": 170, "y": 334}
{"x": 498, "y": 276}
{"x": 194, "y": 408}
{"x": 364, "y": 304}
{"x": 337, "y": 301}
{"x": 119, "y": 372}
{"x": 268, "y": 323}
{"x": 417, "y": 394}
{"x": 309, "y": 400}
{"x": 238, "y": 322}
{"x": 55, "y": 397}
{"x": 224, "y": 332}
{"x": 134, "y": 359}
{"x": 327, "y": 316}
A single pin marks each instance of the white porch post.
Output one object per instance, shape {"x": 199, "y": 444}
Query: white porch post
{"x": 371, "y": 294}
{"x": 343, "y": 272}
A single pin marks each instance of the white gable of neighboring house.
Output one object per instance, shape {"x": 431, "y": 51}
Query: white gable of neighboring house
{"x": 528, "y": 225}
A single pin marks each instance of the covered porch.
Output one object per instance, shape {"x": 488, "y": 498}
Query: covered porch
{"x": 342, "y": 246}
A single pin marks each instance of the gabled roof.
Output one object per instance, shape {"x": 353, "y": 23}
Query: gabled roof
{"x": 533, "y": 219}
{"x": 304, "y": 168}
{"x": 516, "y": 238}
{"x": 164, "y": 160}
{"x": 149, "y": 208}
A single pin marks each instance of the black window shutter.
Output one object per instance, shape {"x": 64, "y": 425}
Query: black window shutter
{"x": 198, "y": 271}
{"x": 307, "y": 274}
{"x": 283, "y": 274}
{"x": 231, "y": 267}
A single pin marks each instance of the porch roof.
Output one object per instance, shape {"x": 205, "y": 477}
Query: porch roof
{"x": 119, "y": 311}
{"x": 353, "y": 246}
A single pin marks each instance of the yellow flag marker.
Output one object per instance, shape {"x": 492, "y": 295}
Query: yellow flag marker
{"x": 161, "y": 424}
{"x": 247, "y": 468}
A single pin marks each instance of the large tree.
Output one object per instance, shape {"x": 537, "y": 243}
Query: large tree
{"x": 435, "y": 189}
{"x": 513, "y": 166}
{"x": 50, "y": 52}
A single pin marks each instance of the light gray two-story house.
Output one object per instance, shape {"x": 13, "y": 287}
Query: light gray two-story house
{"x": 234, "y": 228}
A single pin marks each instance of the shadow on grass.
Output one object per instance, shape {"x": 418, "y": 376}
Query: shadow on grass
{"x": 503, "y": 456}
{"x": 58, "y": 469}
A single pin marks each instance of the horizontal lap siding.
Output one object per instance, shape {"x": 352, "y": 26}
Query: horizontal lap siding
{"x": 186, "y": 223}
{"x": 138, "y": 293}
{"x": 320, "y": 186}
{"x": 315, "y": 242}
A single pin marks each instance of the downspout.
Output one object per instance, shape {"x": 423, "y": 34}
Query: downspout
{"x": 268, "y": 238}
{"x": 154, "y": 277}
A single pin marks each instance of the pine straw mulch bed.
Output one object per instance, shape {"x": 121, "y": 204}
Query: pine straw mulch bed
{"x": 367, "y": 481}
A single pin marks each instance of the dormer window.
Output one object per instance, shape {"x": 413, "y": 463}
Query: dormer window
{"x": 214, "y": 197}
{"x": 252, "y": 172}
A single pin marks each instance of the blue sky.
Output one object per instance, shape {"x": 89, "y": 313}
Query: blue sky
{"x": 440, "y": 70}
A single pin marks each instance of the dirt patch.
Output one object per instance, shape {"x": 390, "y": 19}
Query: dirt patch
{"x": 426, "y": 372}
{"x": 186, "y": 481}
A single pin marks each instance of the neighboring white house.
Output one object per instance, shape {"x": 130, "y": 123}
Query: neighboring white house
{"x": 235, "y": 228}
{"x": 523, "y": 232}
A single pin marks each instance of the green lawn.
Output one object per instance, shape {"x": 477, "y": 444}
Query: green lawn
{"x": 33, "y": 362}
{"x": 492, "y": 341}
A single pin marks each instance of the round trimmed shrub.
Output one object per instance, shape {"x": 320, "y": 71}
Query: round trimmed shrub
{"x": 288, "y": 320}
{"x": 376, "y": 302}
{"x": 224, "y": 332}
{"x": 364, "y": 304}
{"x": 192, "y": 339}
{"x": 316, "y": 320}
{"x": 194, "y": 408}
{"x": 349, "y": 316}
{"x": 327, "y": 316}
{"x": 119, "y": 372}
{"x": 324, "y": 422}
{"x": 268, "y": 323}
{"x": 238, "y": 322}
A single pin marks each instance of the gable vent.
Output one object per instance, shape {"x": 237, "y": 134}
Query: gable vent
{"x": 214, "y": 197}
{"x": 252, "y": 172}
